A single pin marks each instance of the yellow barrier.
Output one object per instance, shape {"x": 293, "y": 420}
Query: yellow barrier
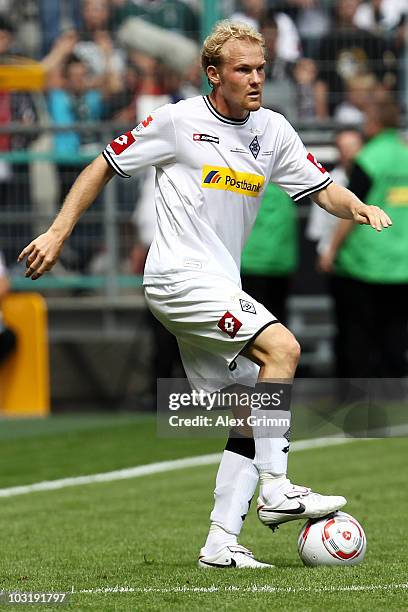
{"x": 21, "y": 74}
{"x": 24, "y": 377}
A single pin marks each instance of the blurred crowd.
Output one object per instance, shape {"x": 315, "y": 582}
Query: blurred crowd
{"x": 116, "y": 60}
{"x": 107, "y": 62}
{"x": 102, "y": 57}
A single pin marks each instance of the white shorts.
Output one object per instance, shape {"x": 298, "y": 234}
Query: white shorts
{"x": 213, "y": 320}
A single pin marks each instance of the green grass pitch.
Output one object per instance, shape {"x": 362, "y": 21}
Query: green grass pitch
{"x": 144, "y": 534}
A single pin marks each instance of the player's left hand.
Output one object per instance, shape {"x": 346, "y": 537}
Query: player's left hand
{"x": 371, "y": 215}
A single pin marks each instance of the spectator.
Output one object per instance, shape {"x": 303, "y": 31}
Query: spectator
{"x": 279, "y": 89}
{"x": 106, "y": 61}
{"x": 7, "y": 336}
{"x": 51, "y": 20}
{"x": 388, "y": 18}
{"x": 192, "y": 84}
{"x": 321, "y": 225}
{"x": 313, "y": 22}
{"x": 311, "y": 91}
{"x": 76, "y": 102}
{"x": 321, "y": 229}
{"x": 122, "y": 105}
{"x": 291, "y": 89}
{"x": 359, "y": 93}
{"x": 374, "y": 278}
{"x": 23, "y": 16}
{"x": 16, "y": 107}
{"x": 348, "y": 51}
{"x": 54, "y": 62}
{"x": 379, "y": 16}
{"x": 288, "y": 42}
{"x": 269, "y": 257}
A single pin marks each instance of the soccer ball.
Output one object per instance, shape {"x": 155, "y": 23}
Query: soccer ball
{"x": 336, "y": 539}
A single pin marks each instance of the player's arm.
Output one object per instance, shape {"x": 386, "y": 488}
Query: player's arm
{"x": 342, "y": 203}
{"x": 43, "y": 252}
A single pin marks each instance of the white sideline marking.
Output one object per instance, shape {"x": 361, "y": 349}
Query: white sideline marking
{"x": 254, "y": 588}
{"x": 175, "y": 464}
{"x": 153, "y": 468}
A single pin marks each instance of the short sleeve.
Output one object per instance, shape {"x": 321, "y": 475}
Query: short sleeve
{"x": 151, "y": 143}
{"x": 295, "y": 170}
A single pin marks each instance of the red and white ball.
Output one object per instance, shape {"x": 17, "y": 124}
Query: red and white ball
{"x": 338, "y": 539}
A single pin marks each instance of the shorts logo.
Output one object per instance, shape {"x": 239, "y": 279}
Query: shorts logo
{"x": 318, "y": 165}
{"x": 247, "y": 306}
{"x": 227, "y": 179}
{"x": 121, "y": 143}
{"x": 229, "y": 324}
{"x": 206, "y": 138}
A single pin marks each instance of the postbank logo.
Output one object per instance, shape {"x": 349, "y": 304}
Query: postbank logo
{"x": 227, "y": 179}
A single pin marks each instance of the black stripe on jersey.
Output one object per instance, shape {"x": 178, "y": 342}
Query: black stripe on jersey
{"x": 114, "y": 165}
{"x": 311, "y": 190}
{"x": 223, "y": 118}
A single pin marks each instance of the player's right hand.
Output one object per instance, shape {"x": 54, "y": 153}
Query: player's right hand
{"x": 41, "y": 254}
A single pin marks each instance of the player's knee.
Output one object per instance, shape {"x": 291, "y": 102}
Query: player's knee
{"x": 288, "y": 349}
{"x": 278, "y": 346}
{"x": 294, "y": 349}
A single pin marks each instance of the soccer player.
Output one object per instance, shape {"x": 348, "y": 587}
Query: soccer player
{"x": 214, "y": 156}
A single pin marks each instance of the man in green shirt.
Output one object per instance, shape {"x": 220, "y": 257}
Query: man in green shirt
{"x": 373, "y": 275}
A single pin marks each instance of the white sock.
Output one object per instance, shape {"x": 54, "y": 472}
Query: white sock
{"x": 272, "y": 439}
{"x": 236, "y": 482}
{"x": 271, "y": 455}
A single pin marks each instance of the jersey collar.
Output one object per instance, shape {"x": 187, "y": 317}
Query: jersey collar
{"x": 221, "y": 117}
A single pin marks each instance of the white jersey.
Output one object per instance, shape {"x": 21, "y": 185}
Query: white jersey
{"x": 211, "y": 172}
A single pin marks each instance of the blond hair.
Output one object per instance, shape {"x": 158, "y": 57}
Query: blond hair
{"x": 211, "y": 52}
